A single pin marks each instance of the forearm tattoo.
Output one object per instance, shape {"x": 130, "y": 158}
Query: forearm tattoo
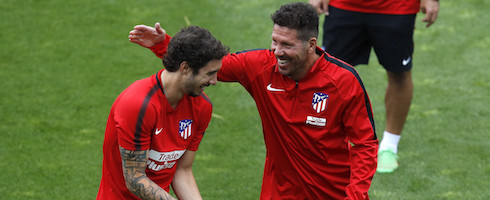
{"x": 134, "y": 165}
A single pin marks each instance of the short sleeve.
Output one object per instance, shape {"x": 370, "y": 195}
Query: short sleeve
{"x": 134, "y": 120}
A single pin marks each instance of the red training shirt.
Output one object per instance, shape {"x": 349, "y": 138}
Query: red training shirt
{"x": 142, "y": 119}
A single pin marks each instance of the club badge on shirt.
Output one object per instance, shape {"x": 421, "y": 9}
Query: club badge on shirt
{"x": 185, "y": 128}
{"x": 319, "y": 102}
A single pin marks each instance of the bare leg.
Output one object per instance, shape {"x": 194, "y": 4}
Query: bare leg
{"x": 397, "y": 100}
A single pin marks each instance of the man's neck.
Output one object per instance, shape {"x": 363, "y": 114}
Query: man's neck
{"x": 171, "y": 88}
{"x": 308, "y": 65}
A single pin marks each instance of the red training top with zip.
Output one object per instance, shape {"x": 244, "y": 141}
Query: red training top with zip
{"x": 308, "y": 126}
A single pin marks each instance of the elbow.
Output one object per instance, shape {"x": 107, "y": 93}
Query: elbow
{"x": 132, "y": 182}
{"x": 128, "y": 181}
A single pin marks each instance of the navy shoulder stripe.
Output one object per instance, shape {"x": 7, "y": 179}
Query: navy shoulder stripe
{"x": 206, "y": 98}
{"x": 141, "y": 115}
{"x": 366, "y": 98}
{"x": 245, "y": 51}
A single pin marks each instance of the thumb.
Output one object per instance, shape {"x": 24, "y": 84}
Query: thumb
{"x": 159, "y": 28}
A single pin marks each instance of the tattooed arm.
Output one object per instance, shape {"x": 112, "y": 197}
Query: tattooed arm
{"x": 133, "y": 166}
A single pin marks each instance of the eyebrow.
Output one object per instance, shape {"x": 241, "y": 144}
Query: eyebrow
{"x": 284, "y": 42}
{"x": 213, "y": 72}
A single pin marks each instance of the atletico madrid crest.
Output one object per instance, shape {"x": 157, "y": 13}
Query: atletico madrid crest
{"x": 185, "y": 127}
{"x": 320, "y": 102}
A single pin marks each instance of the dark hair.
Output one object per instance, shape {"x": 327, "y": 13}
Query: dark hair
{"x": 196, "y": 46}
{"x": 299, "y": 16}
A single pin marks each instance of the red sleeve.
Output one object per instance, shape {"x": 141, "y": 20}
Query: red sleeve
{"x": 236, "y": 67}
{"x": 233, "y": 69}
{"x": 359, "y": 126}
{"x": 160, "y": 49}
{"x": 243, "y": 67}
{"x": 133, "y": 130}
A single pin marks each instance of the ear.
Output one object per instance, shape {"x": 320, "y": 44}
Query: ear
{"x": 184, "y": 68}
{"x": 312, "y": 45}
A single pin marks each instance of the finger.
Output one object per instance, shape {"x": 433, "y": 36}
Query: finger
{"x": 426, "y": 20}
{"x": 319, "y": 10}
{"x": 142, "y": 28}
{"x": 134, "y": 36}
{"x": 138, "y": 27}
{"x": 325, "y": 8}
{"x": 428, "y": 24}
{"x": 434, "y": 15}
{"x": 431, "y": 21}
{"x": 430, "y": 18}
{"x": 159, "y": 28}
{"x": 137, "y": 41}
{"x": 135, "y": 32}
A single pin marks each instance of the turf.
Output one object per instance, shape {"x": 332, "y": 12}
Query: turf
{"x": 62, "y": 64}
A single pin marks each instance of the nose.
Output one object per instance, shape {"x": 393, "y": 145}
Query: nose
{"x": 278, "y": 50}
{"x": 213, "y": 80}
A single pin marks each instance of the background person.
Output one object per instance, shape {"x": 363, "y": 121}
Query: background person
{"x": 353, "y": 27}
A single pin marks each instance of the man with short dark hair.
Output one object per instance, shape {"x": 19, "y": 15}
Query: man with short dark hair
{"x": 317, "y": 120}
{"x": 156, "y": 124}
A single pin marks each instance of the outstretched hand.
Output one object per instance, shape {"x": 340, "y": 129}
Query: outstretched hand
{"x": 147, "y": 36}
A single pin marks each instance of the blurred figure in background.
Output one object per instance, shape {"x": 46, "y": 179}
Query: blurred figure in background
{"x": 353, "y": 27}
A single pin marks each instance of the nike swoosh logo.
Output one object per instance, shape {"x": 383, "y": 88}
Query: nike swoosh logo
{"x": 157, "y": 131}
{"x": 406, "y": 61}
{"x": 270, "y": 88}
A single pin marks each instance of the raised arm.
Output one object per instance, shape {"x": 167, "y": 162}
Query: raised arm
{"x": 147, "y": 36}
{"x": 133, "y": 166}
{"x": 154, "y": 38}
{"x": 184, "y": 184}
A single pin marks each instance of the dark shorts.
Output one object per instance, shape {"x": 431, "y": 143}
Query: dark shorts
{"x": 350, "y": 36}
